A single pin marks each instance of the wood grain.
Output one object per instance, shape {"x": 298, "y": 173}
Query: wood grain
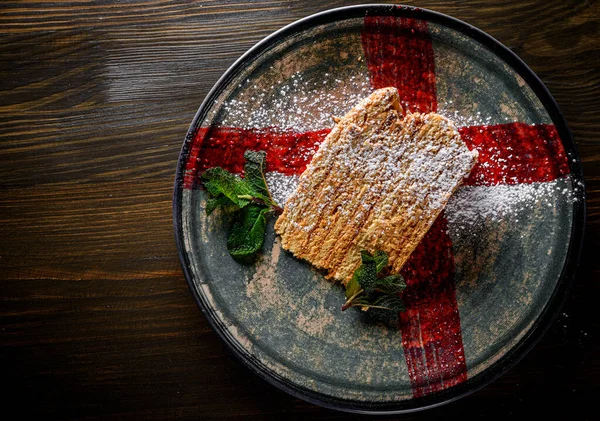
{"x": 97, "y": 321}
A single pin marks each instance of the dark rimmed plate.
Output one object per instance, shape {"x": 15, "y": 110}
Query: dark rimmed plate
{"x": 487, "y": 279}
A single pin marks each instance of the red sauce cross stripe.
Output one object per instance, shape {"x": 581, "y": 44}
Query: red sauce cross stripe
{"x": 288, "y": 152}
{"x": 399, "y": 53}
{"x": 515, "y": 153}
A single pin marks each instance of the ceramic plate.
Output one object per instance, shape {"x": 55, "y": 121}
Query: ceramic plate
{"x": 483, "y": 284}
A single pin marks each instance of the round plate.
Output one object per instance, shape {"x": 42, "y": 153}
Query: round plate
{"x": 486, "y": 280}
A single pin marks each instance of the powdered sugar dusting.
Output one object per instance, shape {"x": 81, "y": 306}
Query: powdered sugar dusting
{"x": 298, "y": 103}
{"x": 472, "y": 206}
{"x": 464, "y": 119}
{"x": 281, "y": 186}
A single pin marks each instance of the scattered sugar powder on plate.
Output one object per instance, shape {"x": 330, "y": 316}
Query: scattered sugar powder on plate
{"x": 466, "y": 120}
{"x": 281, "y": 186}
{"x": 298, "y": 103}
{"x": 472, "y": 206}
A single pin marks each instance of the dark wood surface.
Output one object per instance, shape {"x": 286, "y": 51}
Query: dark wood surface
{"x": 96, "y": 319}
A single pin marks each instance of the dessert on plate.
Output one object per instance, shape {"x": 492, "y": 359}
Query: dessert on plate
{"x": 378, "y": 182}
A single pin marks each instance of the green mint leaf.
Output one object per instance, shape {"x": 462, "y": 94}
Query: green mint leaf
{"x": 385, "y": 302}
{"x": 249, "y": 197}
{"x": 361, "y": 301}
{"x": 391, "y": 285}
{"x": 352, "y": 287}
{"x": 368, "y": 272}
{"x": 389, "y": 302}
{"x": 248, "y": 233}
{"x": 215, "y": 202}
{"x": 367, "y": 290}
{"x": 366, "y": 257}
{"x": 219, "y": 182}
{"x": 381, "y": 259}
{"x": 254, "y": 175}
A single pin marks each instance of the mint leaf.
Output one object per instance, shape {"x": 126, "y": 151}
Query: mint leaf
{"x": 219, "y": 182}
{"x": 368, "y": 290}
{"x": 360, "y": 301}
{"x": 216, "y": 202}
{"x": 366, "y": 257}
{"x": 249, "y": 197}
{"x": 368, "y": 272}
{"x": 381, "y": 260}
{"x": 254, "y": 175}
{"x": 392, "y": 284}
{"x": 353, "y": 287}
{"x": 389, "y": 302}
{"x": 248, "y": 233}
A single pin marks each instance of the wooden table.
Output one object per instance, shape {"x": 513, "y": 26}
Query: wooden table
{"x": 97, "y": 321}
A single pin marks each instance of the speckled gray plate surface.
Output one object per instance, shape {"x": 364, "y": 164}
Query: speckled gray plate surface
{"x": 482, "y": 288}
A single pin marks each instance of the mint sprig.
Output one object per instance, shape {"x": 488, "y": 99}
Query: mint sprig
{"x": 248, "y": 233}
{"x": 249, "y": 200}
{"x": 369, "y": 289}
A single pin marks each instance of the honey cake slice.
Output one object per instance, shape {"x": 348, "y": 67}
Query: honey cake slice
{"x": 378, "y": 182}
